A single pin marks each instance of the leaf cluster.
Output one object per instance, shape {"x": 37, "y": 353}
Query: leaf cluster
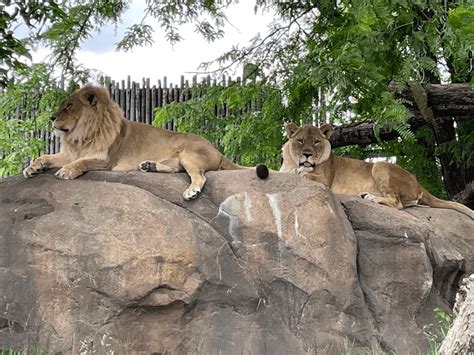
{"x": 29, "y": 16}
{"x": 208, "y": 18}
{"x": 25, "y": 108}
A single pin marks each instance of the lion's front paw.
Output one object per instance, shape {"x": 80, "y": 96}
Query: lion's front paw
{"x": 147, "y": 166}
{"x": 33, "y": 169}
{"x": 191, "y": 193}
{"x": 366, "y": 196}
{"x": 30, "y": 171}
{"x": 67, "y": 173}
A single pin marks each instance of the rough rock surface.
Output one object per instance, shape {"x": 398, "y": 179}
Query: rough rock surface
{"x": 118, "y": 261}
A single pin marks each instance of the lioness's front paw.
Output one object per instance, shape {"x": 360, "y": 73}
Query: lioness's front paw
{"x": 67, "y": 173}
{"x": 191, "y": 193}
{"x": 297, "y": 171}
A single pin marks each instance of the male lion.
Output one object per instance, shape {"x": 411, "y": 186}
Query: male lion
{"x": 95, "y": 136}
{"x": 308, "y": 153}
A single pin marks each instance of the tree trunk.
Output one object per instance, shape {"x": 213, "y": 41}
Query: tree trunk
{"x": 446, "y": 102}
{"x": 466, "y": 196}
{"x": 460, "y": 337}
{"x": 454, "y": 100}
{"x": 360, "y": 134}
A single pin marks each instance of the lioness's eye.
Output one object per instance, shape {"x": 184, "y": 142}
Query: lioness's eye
{"x": 300, "y": 141}
{"x": 316, "y": 142}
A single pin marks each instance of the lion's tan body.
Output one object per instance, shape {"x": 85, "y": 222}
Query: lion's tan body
{"x": 95, "y": 136}
{"x": 308, "y": 153}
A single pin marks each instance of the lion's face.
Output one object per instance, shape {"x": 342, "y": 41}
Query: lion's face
{"x": 72, "y": 110}
{"x": 309, "y": 145}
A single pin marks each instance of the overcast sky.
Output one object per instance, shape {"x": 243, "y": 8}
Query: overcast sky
{"x": 162, "y": 59}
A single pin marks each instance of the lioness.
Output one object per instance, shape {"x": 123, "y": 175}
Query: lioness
{"x": 95, "y": 135}
{"x": 308, "y": 153}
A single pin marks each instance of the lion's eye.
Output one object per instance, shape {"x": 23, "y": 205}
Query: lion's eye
{"x": 316, "y": 142}
{"x": 68, "y": 106}
{"x": 300, "y": 141}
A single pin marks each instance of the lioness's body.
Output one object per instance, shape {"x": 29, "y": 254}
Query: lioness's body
{"x": 308, "y": 153}
{"x": 95, "y": 136}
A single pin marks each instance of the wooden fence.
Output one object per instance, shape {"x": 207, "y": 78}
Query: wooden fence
{"x": 139, "y": 100}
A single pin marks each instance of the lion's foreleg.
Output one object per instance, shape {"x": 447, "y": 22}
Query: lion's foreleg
{"x": 387, "y": 200}
{"x": 197, "y": 183}
{"x": 163, "y": 166}
{"x": 79, "y": 167}
{"x": 45, "y": 162}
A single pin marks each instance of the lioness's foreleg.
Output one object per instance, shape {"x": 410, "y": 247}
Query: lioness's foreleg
{"x": 79, "y": 167}
{"x": 45, "y": 162}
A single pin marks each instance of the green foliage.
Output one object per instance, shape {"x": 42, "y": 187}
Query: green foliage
{"x": 31, "y": 15}
{"x": 207, "y": 16}
{"x": 461, "y": 20}
{"x": 77, "y": 23}
{"x": 437, "y": 333}
{"x": 418, "y": 157}
{"x": 36, "y": 350}
{"x": 249, "y": 132}
{"x": 25, "y": 108}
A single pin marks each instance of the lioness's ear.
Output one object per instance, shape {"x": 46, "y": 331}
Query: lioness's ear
{"x": 326, "y": 130}
{"x": 290, "y": 129}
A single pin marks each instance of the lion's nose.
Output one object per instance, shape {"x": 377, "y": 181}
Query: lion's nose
{"x": 307, "y": 155}
{"x": 53, "y": 118}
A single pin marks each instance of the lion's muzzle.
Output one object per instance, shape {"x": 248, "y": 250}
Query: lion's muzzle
{"x": 65, "y": 130}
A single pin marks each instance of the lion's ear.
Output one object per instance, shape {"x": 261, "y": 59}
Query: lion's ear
{"x": 290, "y": 129}
{"x": 91, "y": 97}
{"x": 327, "y": 130}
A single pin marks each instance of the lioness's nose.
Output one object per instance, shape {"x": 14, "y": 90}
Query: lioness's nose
{"x": 53, "y": 118}
{"x": 307, "y": 155}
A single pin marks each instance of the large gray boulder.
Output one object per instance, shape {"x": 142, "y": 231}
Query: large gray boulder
{"x": 118, "y": 261}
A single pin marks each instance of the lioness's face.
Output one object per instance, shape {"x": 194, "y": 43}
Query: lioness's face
{"x": 70, "y": 111}
{"x": 309, "y": 145}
